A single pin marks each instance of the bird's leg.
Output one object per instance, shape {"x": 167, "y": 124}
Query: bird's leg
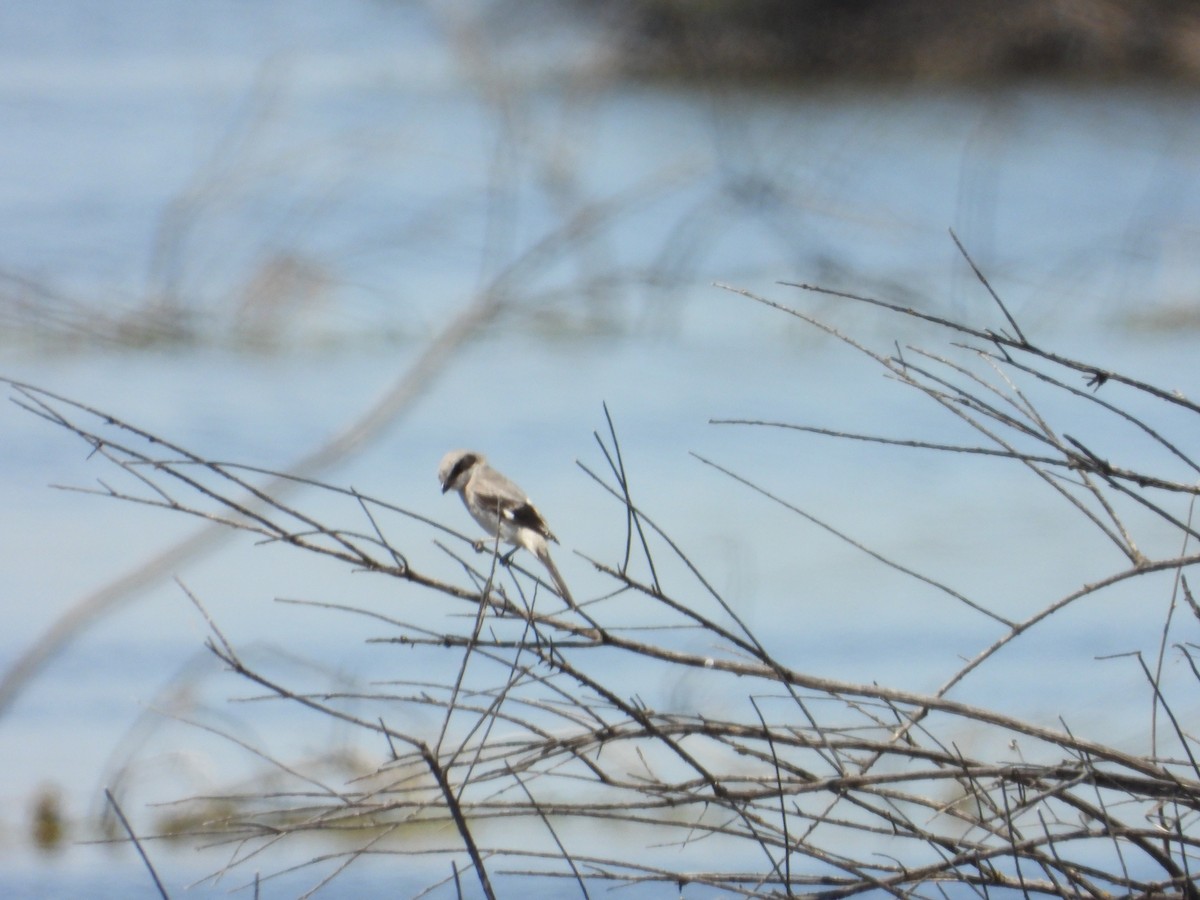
{"x": 505, "y": 558}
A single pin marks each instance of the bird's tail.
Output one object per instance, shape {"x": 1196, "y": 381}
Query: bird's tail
{"x": 543, "y": 554}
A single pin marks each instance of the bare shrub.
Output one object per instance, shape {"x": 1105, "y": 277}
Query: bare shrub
{"x": 524, "y": 750}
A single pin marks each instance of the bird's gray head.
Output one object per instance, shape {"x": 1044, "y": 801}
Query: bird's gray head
{"x": 456, "y": 467}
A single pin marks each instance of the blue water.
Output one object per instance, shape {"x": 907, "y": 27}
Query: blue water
{"x": 178, "y": 156}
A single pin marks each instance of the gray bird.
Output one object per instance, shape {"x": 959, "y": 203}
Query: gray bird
{"x": 502, "y": 508}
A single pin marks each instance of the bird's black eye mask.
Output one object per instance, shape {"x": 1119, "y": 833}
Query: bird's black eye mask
{"x": 459, "y": 467}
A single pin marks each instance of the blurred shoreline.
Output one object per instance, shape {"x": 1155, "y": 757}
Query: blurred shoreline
{"x": 905, "y": 40}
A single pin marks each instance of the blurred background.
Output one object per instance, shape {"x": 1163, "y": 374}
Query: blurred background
{"x": 239, "y": 225}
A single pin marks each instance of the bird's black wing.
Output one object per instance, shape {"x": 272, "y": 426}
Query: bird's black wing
{"x": 526, "y": 516}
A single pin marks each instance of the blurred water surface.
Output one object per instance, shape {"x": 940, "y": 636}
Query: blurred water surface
{"x": 296, "y": 196}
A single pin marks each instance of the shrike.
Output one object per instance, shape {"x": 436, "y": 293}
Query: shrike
{"x": 500, "y": 507}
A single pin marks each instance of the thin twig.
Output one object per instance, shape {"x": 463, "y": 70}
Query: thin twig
{"x": 116, "y": 807}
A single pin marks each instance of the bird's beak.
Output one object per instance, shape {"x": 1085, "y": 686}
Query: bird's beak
{"x": 445, "y": 487}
